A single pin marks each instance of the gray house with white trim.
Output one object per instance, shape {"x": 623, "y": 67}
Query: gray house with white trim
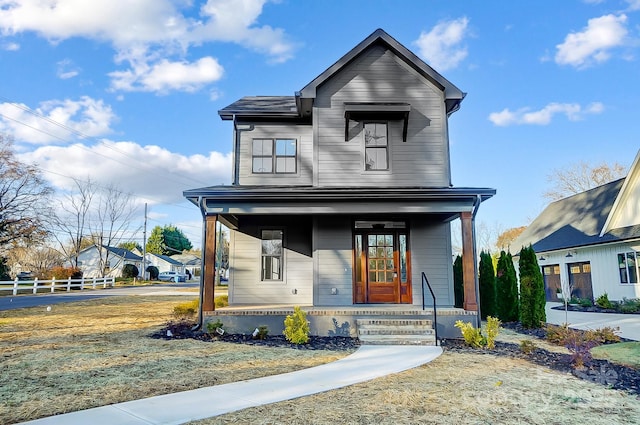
{"x": 341, "y": 194}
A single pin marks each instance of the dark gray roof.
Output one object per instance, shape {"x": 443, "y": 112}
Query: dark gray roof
{"x": 282, "y": 106}
{"x": 576, "y": 221}
{"x": 124, "y": 253}
{"x": 168, "y": 259}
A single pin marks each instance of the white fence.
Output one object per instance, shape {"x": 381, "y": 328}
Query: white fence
{"x": 53, "y": 284}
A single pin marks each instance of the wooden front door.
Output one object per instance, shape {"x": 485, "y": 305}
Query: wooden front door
{"x": 552, "y": 285}
{"x": 381, "y": 272}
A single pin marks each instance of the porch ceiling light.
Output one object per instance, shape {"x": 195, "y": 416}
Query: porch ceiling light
{"x": 568, "y": 255}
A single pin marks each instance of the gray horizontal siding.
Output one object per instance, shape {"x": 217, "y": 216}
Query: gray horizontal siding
{"x": 379, "y": 76}
{"x": 431, "y": 254}
{"x": 332, "y": 252}
{"x": 302, "y": 133}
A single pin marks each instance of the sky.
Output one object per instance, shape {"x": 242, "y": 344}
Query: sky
{"x": 127, "y": 92}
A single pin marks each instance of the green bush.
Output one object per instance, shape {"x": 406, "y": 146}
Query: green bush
{"x": 296, "y": 327}
{"x": 129, "y": 271}
{"x": 585, "y": 302}
{"x": 153, "y": 272}
{"x": 629, "y": 305}
{"x": 487, "y": 282}
{"x": 186, "y": 309}
{"x": 473, "y": 336}
{"x": 532, "y": 294}
{"x": 527, "y": 346}
{"x": 507, "y": 302}
{"x": 221, "y": 301}
{"x": 458, "y": 283}
{"x": 260, "y": 332}
{"x": 603, "y": 301}
{"x": 215, "y": 328}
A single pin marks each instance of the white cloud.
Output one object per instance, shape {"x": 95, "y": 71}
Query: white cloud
{"x": 164, "y": 76}
{"x": 11, "y": 47}
{"x": 153, "y": 174}
{"x": 152, "y": 36}
{"x": 633, "y": 5}
{"x": 594, "y": 43}
{"x": 67, "y": 70}
{"x": 524, "y": 116}
{"x": 441, "y": 47}
{"x": 56, "y": 121}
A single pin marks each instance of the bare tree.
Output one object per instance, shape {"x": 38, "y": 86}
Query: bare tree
{"x": 506, "y": 238}
{"x": 113, "y": 213}
{"x": 37, "y": 259}
{"x": 24, "y": 199}
{"x": 580, "y": 177}
{"x": 72, "y": 220}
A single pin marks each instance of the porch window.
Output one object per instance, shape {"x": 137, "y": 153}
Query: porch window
{"x": 272, "y": 250}
{"x": 270, "y": 156}
{"x": 376, "y": 144}
{"x": 628, "y": 267}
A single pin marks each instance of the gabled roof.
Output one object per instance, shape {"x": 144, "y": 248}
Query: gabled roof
{"x": 124, "y": 253}
{"x": 453, "y": 95}
{"x": 166, "y": 258}
{"x": 299, "y": 106}
{"x": 576, "y": 221}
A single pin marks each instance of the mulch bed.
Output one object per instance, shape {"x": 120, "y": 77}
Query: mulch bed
{"x": 599, "y": 371}
{"x": 592, "y": 309}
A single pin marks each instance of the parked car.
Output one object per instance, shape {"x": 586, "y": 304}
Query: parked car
{"x": 25, "y": 276}
{"x": 172, "y": 277}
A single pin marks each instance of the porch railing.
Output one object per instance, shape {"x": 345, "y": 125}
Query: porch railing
{"x": 425, "y": 281}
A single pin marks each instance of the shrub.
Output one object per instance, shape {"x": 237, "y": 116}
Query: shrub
{"x": 186, "y": 309}
{"x": 532, "y": 294}
{"x": 604, "y": 335}
{"x": 129, "y": 271}
{"x": 215, "y": 328}
{"x": 66, "y": 273}
{"x": 153, "y": 272}
{"x": 527, "y": 346}
{"x": 580, "y": 342}
{"x": 458, "y": 283}
{"x": 221, "y": 301}
{"x": 473, "y": 336}
{"x": 260, "y": 332}
{"x": 585, "y": 302}
{"x": 557, "y": 334}
{"x": 603, "y": 301}
{"x": 296, "y": 327}
{"x": 487, "y": 282}
{"x": 507, "y": 302}
{"x": 629, "y": 305}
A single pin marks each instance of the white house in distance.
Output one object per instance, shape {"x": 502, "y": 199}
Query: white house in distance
{"x": 591, "y": 240}
{"x": 92, "y": 261}
{"x": 164, "y": 263}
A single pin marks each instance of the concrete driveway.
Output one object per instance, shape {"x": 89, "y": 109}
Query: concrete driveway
{"x": 629, "y": 324}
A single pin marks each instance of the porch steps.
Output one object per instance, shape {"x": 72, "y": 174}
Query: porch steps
{"x": 396, "y": 331}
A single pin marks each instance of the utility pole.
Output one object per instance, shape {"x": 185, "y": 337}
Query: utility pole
{"x": 144, "y": 245}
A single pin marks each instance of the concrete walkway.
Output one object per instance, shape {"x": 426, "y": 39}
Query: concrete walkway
{"x": 368, "y": 362}
{"x": 629, "y": 324}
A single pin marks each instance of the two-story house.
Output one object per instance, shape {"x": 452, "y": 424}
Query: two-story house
{"x": 342, "y": 197}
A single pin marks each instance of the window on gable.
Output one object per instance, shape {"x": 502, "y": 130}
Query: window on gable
{"x": 376, "y": 146}
{"x": 272, "y": 255}
{"x": 270, "y": 156}
{"x": 628, "y": 267}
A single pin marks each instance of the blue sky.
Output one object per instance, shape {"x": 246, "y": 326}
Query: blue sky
{"x": 128, "y": 92}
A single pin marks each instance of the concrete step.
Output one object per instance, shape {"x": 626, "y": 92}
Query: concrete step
{"x": 396, "y": 331}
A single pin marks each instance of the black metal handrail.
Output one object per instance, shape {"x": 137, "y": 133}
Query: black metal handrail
{"x": 435, "y": 313}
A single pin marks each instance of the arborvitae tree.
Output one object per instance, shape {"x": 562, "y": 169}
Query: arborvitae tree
{"x": 458, "y": 282}
{"x": 487, "y": 280}
{"x": 507, "y": 302}
{"x": 532, "y": 296}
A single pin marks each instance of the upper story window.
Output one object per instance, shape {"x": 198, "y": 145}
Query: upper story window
{"x": 628, "y": 266}
{"x": 376, "y": 146}
{"x": 274, "y": 156}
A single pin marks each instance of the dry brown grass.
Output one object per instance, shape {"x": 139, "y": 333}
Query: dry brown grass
{"x": 93, "y": 353}
{"x": 457, "y": 388}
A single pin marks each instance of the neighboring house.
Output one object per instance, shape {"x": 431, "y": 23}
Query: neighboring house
{"x": 591, "y": 240}
{"x": 108, "y": 261}
{"x": 341, "y": 195}
{"x": 164, "y": 263}
{"x": 191, "y": 262}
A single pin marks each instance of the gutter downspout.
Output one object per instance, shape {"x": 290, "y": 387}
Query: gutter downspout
{"x": 203, "y": 210}
{"x": 476, "y": 206}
